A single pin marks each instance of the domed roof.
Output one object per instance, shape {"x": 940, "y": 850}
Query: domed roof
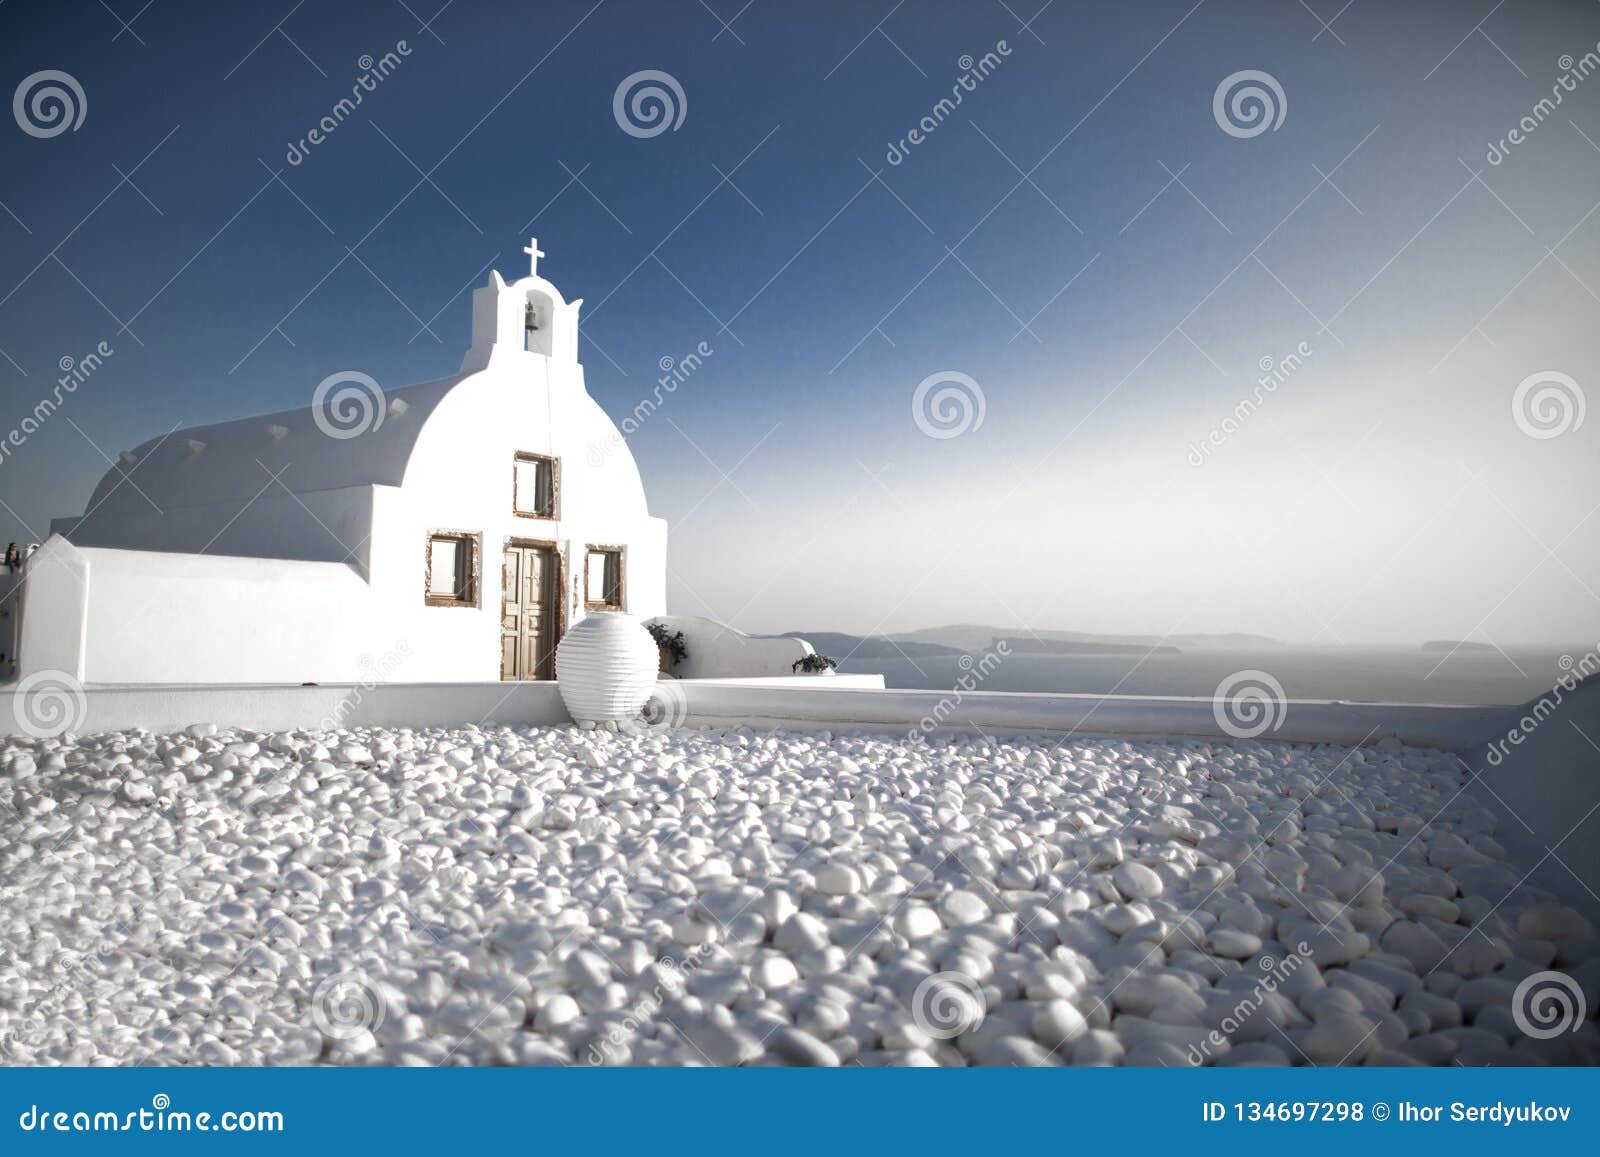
{"x": 354, "y": 433}
{"x": 316, "y": 447}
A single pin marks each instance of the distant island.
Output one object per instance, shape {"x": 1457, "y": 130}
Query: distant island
{"x": 1019, "y": 645}
{"x": 858, "y": 647}
{"x": 972, "y": 638}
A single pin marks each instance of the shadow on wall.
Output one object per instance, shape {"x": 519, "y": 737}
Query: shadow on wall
{"x": 10, "y": 621}
{"x": 716, "y": 651}
{"x": 1541, "y": 775}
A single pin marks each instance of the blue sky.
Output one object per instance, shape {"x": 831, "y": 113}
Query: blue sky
{"x": 1081, "y": 238}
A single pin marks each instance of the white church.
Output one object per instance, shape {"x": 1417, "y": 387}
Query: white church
{"x": 445, "y": 532}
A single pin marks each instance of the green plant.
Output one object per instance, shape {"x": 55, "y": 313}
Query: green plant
{"x": 813, "y": 664}
{"x": 671, "y": 643}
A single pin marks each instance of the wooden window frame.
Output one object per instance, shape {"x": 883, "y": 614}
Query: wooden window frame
{"x": 521, "y": 456}
{"x": 474, "y": 539}
{"x": 622, "y": 577}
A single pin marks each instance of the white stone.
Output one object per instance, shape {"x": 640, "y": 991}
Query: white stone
{"x": 1145, "y": 995}
{"x": 801, "y": 932}
{"x": 1551, "y": 922}
{"x": 838, "y": 880}
{"x": 1417, "y": 943}
{"x": 1423, "y": 904}
{"x": 1232, "y": 944}
{"x": 793, "y": 1046}
{"x": 1339, "y": 1039}
{"x": 1013, "y": 1052}
{"x": 721, "y": 1044}
{"x": 775, "y": 972}
{"x": 1058, "y": 1024}
{"x": 556, "y": 1013}
{"x": 917, "y": 922}
{"x": 586, "y": 969}
{"x": 1098, "y": 1047}
{"x": 1136, "y": 882}
{"x": 962, "y": 907}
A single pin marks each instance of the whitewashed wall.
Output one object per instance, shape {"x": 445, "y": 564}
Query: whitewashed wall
{"x": 149, "y": 617}
{"x": 464, "y": 464}
{"x": 717, "y": 651}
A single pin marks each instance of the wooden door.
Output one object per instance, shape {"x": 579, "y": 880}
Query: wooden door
{"x": 528, "y": 616}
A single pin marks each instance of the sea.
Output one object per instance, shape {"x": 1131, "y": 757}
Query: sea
{"x": 1371, "y": 675}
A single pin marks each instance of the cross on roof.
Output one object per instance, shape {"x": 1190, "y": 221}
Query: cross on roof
{"x": 534, "y": 253}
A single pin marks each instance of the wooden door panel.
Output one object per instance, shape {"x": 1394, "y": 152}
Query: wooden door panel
{"x": 530, "y": 609}
{"x": 536, "y": 614}
{"x": 510, "y": 612}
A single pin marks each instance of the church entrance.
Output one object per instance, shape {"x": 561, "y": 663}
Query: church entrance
{"x": 530, "y": 610}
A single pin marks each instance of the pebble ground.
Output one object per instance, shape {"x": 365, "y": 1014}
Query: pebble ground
{"x": 561, "y": 896}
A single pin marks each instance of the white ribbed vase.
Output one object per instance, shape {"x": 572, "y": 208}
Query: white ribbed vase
{"x": 606, "y": 668}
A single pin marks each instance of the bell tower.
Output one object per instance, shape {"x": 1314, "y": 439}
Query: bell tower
{"x": 525, "y": 317}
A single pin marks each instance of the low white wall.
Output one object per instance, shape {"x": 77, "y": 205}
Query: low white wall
{"x": 791, "y": 702}
{"x": 273, "y": 707}
{"x": 717, "y": 651}
{"x": 1540, "y": 773}
{"x": 53, "y": 606}
{"x": 279, "y": 708}
{"x": 833, "y": 682}
{"x": 717, "y": 703}
{"x": 149, "y": 617}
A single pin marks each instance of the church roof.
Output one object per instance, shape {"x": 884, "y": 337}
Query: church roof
{"x": 308, "y": 449}
{"x": 353, "y": 434}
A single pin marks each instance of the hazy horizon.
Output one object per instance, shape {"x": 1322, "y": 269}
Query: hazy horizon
{"x": 1098, "y": 259}
{"x": 1023, "y": 630}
